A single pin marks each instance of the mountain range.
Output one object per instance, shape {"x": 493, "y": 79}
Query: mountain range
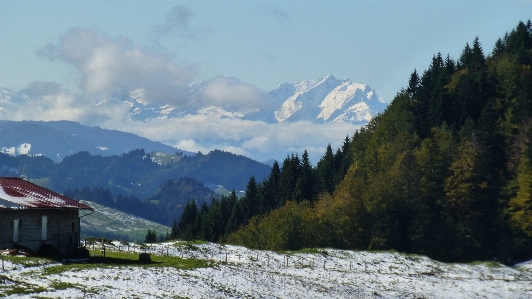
{"x": 325, "y": 100}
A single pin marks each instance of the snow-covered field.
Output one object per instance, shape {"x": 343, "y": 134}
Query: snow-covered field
{"x": 238, "y": 272}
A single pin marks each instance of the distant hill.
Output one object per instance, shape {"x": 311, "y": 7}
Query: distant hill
{"x": 112, "y": 224}
{"x": 164, "y": 207}
{"x": 135, "y": 173}
{"x": 59, "y": 139}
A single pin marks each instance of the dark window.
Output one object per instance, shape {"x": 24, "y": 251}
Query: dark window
{"x": 73, "y": 226}
{"x": 38, "y": 222}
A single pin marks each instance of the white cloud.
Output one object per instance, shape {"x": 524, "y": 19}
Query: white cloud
{"x": 258, "y": 140}
{"x": 110, "y": 64}
{"x": 222, "y": 91}
{"x": 51, "y": 101}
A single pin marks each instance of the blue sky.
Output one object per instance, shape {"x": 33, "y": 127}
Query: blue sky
{"x": 261, "y": 43}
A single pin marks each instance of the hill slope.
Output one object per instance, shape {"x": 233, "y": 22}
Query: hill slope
{"x": 58, "y": 139}
{"x": 110, "y": 223}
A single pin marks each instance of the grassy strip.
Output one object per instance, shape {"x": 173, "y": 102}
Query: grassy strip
{"x": 113, "y": 259}
{"x": 23, "y": 290}
{"x": 27, "y": 261}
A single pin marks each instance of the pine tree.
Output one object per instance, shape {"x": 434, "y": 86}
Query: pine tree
{"x": 269, "y": 191}
{"x": 187, "y": 223}
{"x": 151, "y": 237}
{"x": 250, "y": 201}
{"x": 325, "y": 170}
{"x": 413, "y": 84}
{"x": 290, "y": 173}
{"x": 174, "y": 232}
{"x": 306, "y": 180}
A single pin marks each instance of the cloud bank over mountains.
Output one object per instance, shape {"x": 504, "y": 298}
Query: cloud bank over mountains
{"x": 219, "y": 113}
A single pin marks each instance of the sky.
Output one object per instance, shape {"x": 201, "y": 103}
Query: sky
{"x": 72, "y": 54}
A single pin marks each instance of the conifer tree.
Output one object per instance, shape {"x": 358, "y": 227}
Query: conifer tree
{"x": 306, "y": 179}
{"x": 187, "y": 223}
{"x": 250, "y": 201}
{"x": 151, "y": 237}
{"x": 174, "y": 232}
{"x": 325, "y": 170}
{"x": 269, "y": 191}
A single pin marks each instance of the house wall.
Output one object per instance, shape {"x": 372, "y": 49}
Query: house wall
{"x": 62, "y": 229}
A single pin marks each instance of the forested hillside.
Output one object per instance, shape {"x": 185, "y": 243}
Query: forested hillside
{"x": 445, "y": 171}
{"x": 135, "y": 173}
{"x": 164, "y": 207}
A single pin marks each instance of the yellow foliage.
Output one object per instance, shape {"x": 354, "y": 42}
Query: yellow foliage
{"x": 521, "y": 205}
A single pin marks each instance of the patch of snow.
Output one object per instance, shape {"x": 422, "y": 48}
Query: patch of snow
{"x": 238, "y": 272}
{"x": 12, "y": 151}
{"x": 24, "y": 149}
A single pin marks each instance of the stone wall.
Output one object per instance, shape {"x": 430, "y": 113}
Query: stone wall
{"x": 62, "y": 228}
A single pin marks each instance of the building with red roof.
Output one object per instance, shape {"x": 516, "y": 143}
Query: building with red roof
{"x": 35, "y": 218}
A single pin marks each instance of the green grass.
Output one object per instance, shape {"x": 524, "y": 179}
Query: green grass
{"x": 60, "y": 285}
{"x": 22, "y": 290}
{"x": 113, "y": 259}
{"x": 27, "y": 261}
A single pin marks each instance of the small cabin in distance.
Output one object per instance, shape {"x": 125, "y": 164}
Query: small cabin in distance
{"x": 33, "y": 217}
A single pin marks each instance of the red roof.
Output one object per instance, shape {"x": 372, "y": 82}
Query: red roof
{"x": 16, "y": 193}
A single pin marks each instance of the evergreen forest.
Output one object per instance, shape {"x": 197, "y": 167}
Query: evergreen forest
{"x": 445, "y": 171}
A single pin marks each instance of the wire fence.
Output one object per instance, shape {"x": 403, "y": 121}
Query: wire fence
{"x": 310, "y": 261}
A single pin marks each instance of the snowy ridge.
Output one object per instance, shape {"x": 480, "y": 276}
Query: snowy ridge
{"x": 238, "y": 272}
{"x": 324, "y": 100}
{"x": 328, "y": 100}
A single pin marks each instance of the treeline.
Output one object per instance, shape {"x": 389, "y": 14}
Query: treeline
{"x": 445, "y": 171}
{"x": 296, "y": 180}
{"x": 164, "y": 207}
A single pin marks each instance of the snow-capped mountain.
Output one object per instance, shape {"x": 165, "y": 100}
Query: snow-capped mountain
{"x": 327, "y": 100}
{"x": 324, "y": 100}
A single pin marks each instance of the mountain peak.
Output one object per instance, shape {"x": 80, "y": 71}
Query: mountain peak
{"x": 327, "y": 100}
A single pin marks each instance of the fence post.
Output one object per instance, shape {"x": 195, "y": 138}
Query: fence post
{"x": 3, "y": 269}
